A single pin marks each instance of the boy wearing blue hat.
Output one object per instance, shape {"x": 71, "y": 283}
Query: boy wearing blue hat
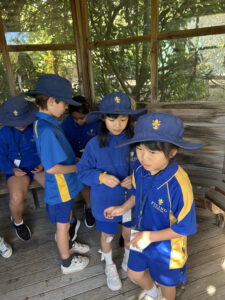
{"x": 107, "y": 171}
{"x": 18, "y": 157}
{"x": 53, "y": 94}
{"x": 164, "y": 204}
{"x": 79, "y": 133}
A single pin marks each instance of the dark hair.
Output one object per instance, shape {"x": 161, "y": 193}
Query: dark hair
{"x": 103, "y": 135}
{"x": 41, "y": 101}
{"x": 165, "y": 147}
{"x": 84, "y": 108}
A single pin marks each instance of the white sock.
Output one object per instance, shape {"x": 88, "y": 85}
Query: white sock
{"x": 152, "y": 292}
{"x": 108, "y": 258}
{"x": 18, "y": 224}
{"x": 126, "y": 254}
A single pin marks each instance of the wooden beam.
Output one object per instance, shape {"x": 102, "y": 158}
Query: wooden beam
{"x": 6, "y": 59}
{"x": 40, "y": 47}
{"x": 81, "y": 40}
{"x": 154, "y": 49}
{"x": 161, "y": 36}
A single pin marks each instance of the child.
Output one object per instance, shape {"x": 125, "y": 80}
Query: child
{"x": 78, "y": 133}
{"x": 53, "y": 94}
{"x": 18, "y": 157}
{"x": 165, "y": 209}
{"x": 106, "y": 171}
{"x": 5, "y": 248}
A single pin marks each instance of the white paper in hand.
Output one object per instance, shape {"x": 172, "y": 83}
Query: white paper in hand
{"x": 131, "y": 238}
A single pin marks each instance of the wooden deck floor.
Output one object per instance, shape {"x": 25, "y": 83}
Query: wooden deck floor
{"x": 33, "y": 271}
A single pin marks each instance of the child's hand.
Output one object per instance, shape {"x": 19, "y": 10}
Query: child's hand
{"x": 110, "y": 180}
{"x": 38, "y": 169}
{"x": 112, "y": 211}
{"x": 126, "y": 182}
{"x": 141, "y": 239}
{"x": 18, "y": 172}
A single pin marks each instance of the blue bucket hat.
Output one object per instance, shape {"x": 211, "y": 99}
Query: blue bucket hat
{"x": 17, "y": 112}
{"x": 160, "y": 127}
{"x": 54, "y": 86}
{"x": 114, "y": 103}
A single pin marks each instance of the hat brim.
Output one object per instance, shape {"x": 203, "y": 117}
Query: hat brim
{"x": 26, "y": 120}
{"x": 181, "y": 144}
{"x": 95, "y": 116}
{"x": 66, "y": 100}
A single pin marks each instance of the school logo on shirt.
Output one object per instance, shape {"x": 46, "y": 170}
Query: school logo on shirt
{"x": 15, "y": 112}
{"x": 117, "y": 99}
{"x": 155, "y": 124}
{"x": 159, "y": 206}
{"x": 91, "y": 132}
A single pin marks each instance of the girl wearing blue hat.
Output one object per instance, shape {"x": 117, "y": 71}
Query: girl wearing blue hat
{"x": 165, "y": 210}
{"x": 107, "y": 171}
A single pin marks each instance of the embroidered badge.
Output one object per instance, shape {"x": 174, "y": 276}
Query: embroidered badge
{"x": 15, "y": 112}
{"x": 160, "y": 201}
{"x": 155, "y": 124}
{"x": 117, "y": 99}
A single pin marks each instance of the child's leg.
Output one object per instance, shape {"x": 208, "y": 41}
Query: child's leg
{"x": 106, "y": 247}
{"x": 89, "y": 220}
{"x": 143, "y": 278}
{"x": 18, "y": 187}
{"x": 126, "y": 237}
{"x": 40, "y": 178}
{"x": 62, "y": 235}
{"x": 168, "y": 292}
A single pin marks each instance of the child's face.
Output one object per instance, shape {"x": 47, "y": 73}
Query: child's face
{"x": 56, "y": 109}
{"x": 79, "y": 118}
{"x": 116, "y": 126}
{"x": 21, "y": 128}
{"x": 153, "y": 160}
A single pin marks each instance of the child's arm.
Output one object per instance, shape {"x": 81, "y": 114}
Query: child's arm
{"x": 38, "y": 169}
{"x": 62, "y": 169}
{"x": 113, "y": 211}
{"x": 143, "y": 239}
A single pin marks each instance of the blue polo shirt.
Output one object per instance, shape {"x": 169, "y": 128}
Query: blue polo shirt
{"x": 17, "y": 144}
{"x": 77, "y": 135}
{"x": 170, "y": 204}
{"x": 117, "y": 162}
{"x": 53, "y": 148}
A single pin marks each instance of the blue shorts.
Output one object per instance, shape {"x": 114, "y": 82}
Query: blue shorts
{"x": 59, "y": 213}
{"x": 160, "y": 273}
{"x": 111, "y": 227}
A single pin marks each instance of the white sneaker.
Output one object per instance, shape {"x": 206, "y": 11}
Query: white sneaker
{"x": 113, "y": 281}
{"x": 158, "y": 297}
{"x": 79, "y": 248}
{"x": 78, "y": 263}
{"x": 6, "y": 250}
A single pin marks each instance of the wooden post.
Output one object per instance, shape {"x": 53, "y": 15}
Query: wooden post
{"x": 6, "y": 59}
{"x": 80, "y": 25}
{"x": 154, "y": 49}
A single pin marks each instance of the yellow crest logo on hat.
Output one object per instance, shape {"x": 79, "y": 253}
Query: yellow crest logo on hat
{"x": 117, "y": 99}
{"x": 131, "y": 153}
{"x": 160, "y": 201}
{"x": 155, "y": 124}
{"x": 15, "y": 112}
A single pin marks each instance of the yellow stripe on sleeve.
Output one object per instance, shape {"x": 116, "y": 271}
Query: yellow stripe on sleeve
{"x": 133, "y": 181}
{"x": 35, "y": 128}
{"x": 63, "y": 187}
{"x": 186, "y": 188}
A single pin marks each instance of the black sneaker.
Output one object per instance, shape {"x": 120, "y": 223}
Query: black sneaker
{"x": 74, "y": 229}
{"x": 22, "y": 231}
{"x": 89, "y": 220}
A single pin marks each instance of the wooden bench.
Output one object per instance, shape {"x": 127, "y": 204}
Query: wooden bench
{"x": 209, "y": 187}
{"x": 33, "y": 187}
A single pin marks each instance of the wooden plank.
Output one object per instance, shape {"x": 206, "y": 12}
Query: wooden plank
{"x": 217, "y": 198}
{"x": 6, "y": 60}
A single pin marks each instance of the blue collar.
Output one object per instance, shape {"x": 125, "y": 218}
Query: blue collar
{"x": 50, "y": 119}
